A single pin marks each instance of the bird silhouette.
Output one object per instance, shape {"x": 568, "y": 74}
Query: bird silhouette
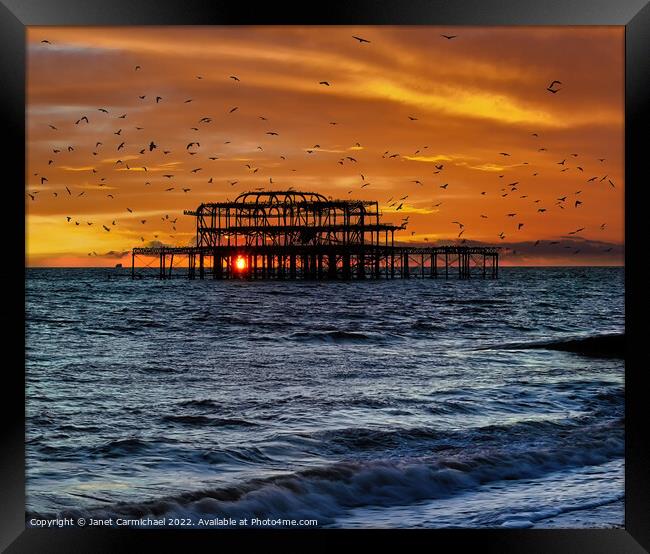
{"x": 360, "y": 39}
{"x": 449, "y": 37}
{"x": 550, "y": 87}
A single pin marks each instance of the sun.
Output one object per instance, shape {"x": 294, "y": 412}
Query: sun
{"x": 240, "y": 263}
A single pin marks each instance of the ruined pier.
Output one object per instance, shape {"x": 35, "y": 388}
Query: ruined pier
{"x": 303, "y": 235}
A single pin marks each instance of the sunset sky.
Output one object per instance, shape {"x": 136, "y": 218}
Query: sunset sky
{"x": 459, "y": 103}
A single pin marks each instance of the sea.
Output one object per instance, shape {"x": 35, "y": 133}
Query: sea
{"x": 419, "y": 403}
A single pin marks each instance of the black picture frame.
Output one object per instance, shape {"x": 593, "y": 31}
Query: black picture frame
{"x": 16, "y": 15}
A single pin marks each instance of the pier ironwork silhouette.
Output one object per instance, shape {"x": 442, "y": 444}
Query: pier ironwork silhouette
{"x": 304, "y": 235}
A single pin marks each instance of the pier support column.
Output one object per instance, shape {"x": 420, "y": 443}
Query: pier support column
{"x": 331, "y": 266}
{"x": 361, "y": 266}
{"x": 347, "y": 273}
{"x": 217, "y": 266}
{"x": 292, "y": 266}
{"x": 313, "y": 270}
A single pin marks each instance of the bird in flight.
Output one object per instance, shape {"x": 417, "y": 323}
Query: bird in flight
{"x": 413, "y": 118}
{"x": 550, "y": 87}
{"x": 233, "y": 109}
{"x": 360, "y": 39}
{"x": 449, "y": 37}
{"x": 324, "y": 83}
{"x": 234, "y": 78}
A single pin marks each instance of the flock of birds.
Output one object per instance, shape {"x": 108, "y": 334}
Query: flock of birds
{"x": 129, "y": 142}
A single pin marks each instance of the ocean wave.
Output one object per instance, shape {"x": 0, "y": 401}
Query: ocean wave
{"x": 352, "y": 441}
{"x": 523, "y": 520}
{"x": 428, "y": 326}
{"x": 606, "y": 345}
{"x": 122, "y": 447}
{"x": 202, "y": 420}
{"x": 336, "y": 336}
{"x": 329, "y": 491}
{"x": 200, "y": 403}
